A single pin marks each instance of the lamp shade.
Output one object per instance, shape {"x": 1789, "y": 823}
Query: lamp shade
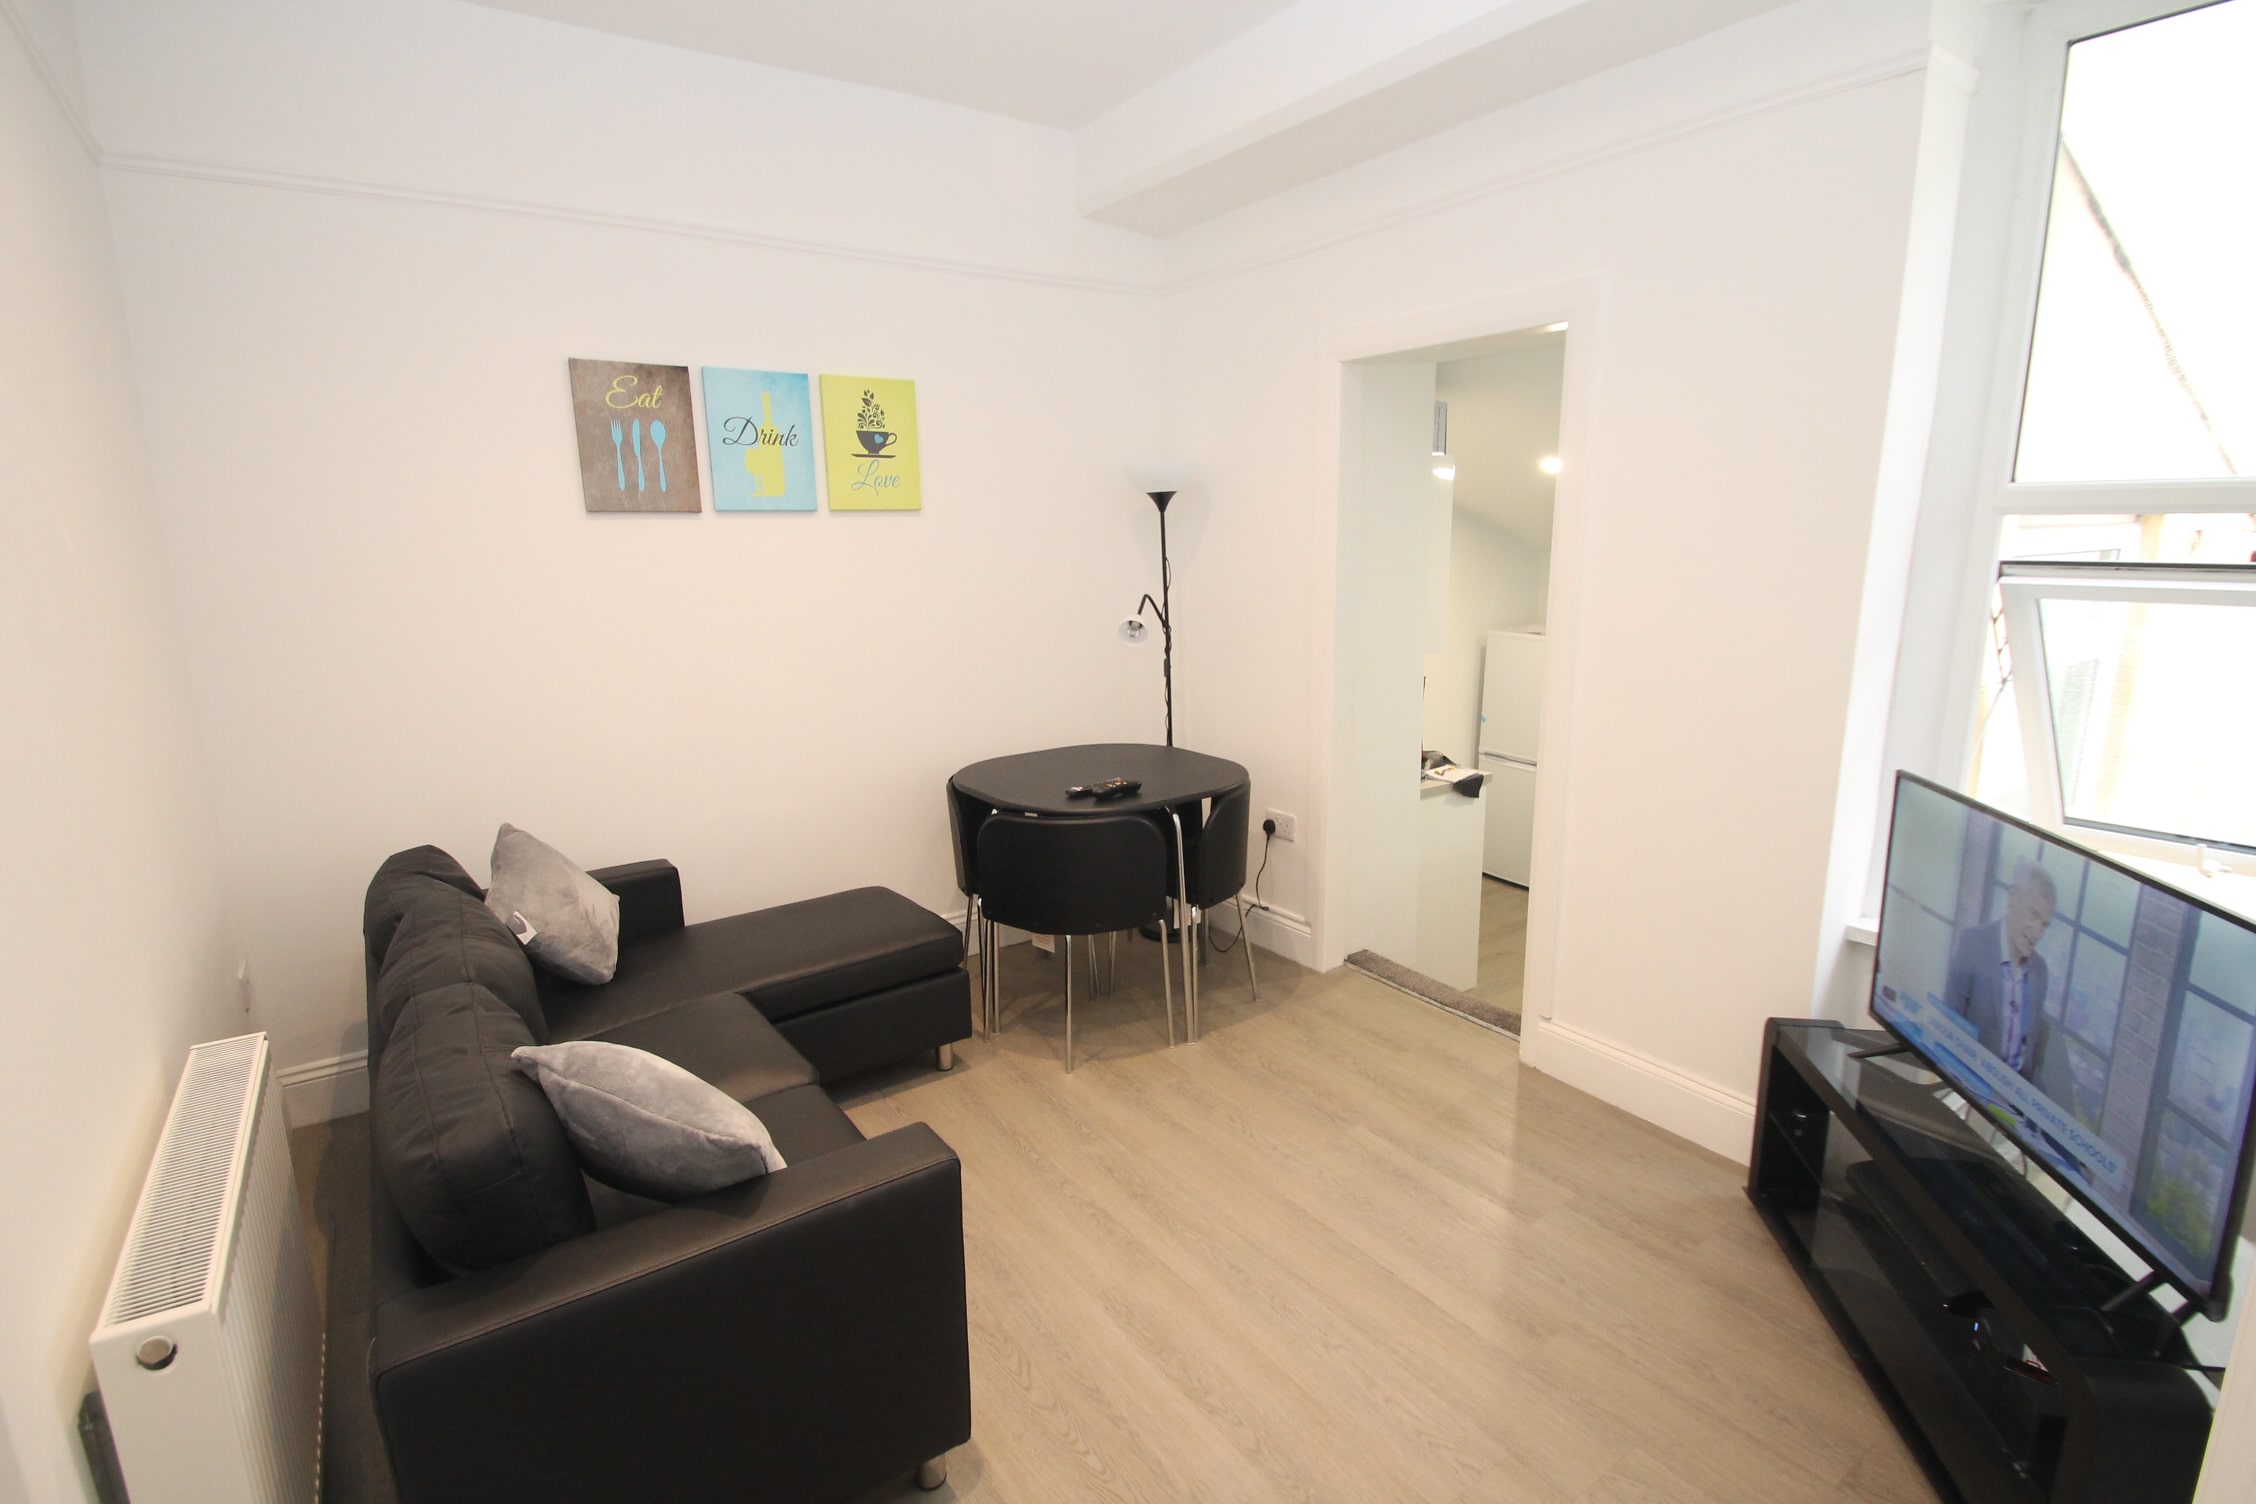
{"x": 1150, "y": 476}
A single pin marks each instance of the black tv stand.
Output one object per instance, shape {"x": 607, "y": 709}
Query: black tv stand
{"x": 2020, "y": 1363}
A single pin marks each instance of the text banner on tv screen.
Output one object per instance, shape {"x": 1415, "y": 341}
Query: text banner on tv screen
{"x": 2106, "y": 1022}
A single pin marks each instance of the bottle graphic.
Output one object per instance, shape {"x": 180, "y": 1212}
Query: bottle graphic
{"x": 763, "y": 460}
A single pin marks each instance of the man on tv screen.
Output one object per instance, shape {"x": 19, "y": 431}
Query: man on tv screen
{"x": 1997, "y": 980}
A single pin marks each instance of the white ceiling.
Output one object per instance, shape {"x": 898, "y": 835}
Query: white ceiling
{"x": 1503, "y": 418}
{"x": 1053, "y": 62}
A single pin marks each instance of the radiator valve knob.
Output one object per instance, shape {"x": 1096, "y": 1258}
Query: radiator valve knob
{"x": 156, "y": 1353}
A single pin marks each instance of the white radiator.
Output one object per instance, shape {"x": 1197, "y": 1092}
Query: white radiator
{"x": 209, "y": 1351}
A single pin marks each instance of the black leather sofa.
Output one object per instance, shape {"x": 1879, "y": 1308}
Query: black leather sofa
{"x": 798, "y": 1338}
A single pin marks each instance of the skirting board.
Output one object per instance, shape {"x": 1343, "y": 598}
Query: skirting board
{"x": 1684, "y": 1105}
{"x": 325, "y": 1089}
{"x": 1279, "y": 930}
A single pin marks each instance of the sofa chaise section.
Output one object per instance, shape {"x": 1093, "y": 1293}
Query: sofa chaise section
{"x": 852, "y": 979}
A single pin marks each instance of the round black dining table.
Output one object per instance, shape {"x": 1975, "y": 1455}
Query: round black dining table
{"x": 1034, "y": 783}
{"x": 1176, "y": 783}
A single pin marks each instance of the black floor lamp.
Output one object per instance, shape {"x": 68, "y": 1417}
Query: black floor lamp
{"x": 1160, "y": 483}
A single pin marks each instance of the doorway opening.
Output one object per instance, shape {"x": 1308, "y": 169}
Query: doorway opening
{"x": 1451, "y": 465}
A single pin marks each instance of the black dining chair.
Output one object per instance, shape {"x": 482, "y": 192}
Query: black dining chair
{"x": 965, "y": 816}
{"x": 1074, "y": 875}
{"x": 1214, "y": 862}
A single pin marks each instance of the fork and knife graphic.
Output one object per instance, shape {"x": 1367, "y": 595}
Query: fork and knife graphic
{"x": 619, "y": 455}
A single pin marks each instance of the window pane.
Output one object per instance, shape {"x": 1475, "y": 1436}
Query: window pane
{"x": 1934, "y": 830}
{"x": 2109, "y": 898}
{"x": 2210, "y": 1065}
{"x": 1915, "y": 949}
{"x": 2095, "y": 992}
{"x": 2224, "y": 962}
{"x": 2143, "y": 364}
{"x": 2151, "y": 712}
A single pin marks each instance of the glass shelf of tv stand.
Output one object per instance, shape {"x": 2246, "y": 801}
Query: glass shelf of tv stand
{"x": 1967, "y": 1298}
{"x": 2012, "y": 1212}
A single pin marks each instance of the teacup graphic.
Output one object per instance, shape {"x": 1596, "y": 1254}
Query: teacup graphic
{"x": 875, "y": 440}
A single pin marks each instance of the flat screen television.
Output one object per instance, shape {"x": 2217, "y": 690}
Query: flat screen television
{"x": 2105, "y": 1021}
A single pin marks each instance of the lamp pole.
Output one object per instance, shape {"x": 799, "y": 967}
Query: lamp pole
{"x": 1160, "y": 499}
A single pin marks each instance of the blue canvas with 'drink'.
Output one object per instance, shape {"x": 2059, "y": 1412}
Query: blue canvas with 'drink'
{"x": 759, "y": 441}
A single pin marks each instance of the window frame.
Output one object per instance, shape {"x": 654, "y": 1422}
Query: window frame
{"x": 2050, "y": 32}
{"x": 2023, "y": 586}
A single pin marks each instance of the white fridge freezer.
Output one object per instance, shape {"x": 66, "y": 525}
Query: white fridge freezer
{"x": 1511, "y": 707}
{"x": 1509, "y": 797}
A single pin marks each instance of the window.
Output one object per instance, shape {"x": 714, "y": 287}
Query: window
{"x": 2142, "y": 362}
{"x": 2114, "y": 684}
{"x": 2134, "y": 698}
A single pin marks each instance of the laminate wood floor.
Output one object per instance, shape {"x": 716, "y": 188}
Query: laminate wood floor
{"x": 1345, "y": 1249}
{"x": 1502, "y": 968}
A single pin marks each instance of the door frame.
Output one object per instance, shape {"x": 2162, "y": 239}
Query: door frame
{"x": 1580, "y": 303}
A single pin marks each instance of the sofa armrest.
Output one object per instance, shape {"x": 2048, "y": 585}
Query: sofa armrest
{"x": 801, "y": 1337}
{"x": 650, "y": 897}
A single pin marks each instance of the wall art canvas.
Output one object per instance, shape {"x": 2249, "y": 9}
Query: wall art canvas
{"x": 760, "y": 440}
{"x": 870, "y": 444}
{"x": 638, "y": 442}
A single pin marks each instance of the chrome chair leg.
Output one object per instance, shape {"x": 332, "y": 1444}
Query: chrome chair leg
{"x": 1191, "y": 972}
{"x": 1182, "y": 889}
{"x": 1167, "y": 988}
{"x": 1112, "y": 964}
{"x": 975, "y": 944}
{"x": 1069, "y": 1005}
{"x": 1245, "y": 943}
{"x": 993, "y": 996}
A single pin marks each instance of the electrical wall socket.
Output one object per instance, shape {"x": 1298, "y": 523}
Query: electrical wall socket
{"x": 243, "y": 984}
{"x": 1288, "y": 826}
{"x": 1044, "y": 943}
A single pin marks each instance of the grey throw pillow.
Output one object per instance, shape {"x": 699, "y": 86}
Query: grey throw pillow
{"x": 646, "y": 1125}
{"x": 565, "y": 919}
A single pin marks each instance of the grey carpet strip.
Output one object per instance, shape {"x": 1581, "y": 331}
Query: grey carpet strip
{"x": 1441, "y": 995}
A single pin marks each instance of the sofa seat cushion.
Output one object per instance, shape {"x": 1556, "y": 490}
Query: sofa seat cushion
{"x": 802, "y": 1120}
{"x": 470, "y": 1150}
{"x": 805, "y": 1123}
{"x": 788, "y": 960}
{"x": 721, "y": 1040}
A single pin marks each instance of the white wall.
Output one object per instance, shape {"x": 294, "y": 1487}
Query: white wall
{"x": 118, "y": 947}
{"x": 1504, "y": 412}
{"x": 404, "y": 629}
{"x": 1736, "y": 215}
{"x": 403, "y": 626}
{"x": 446, "y": 101}
{"x": 2228, "y": 1469}
{"x": 1496, "y": 582}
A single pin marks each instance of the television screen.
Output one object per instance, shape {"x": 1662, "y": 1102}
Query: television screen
{"x": 2106, "y": 1022}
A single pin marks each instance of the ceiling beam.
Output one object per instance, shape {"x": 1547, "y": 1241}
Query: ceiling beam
{"x": 1329, "y": 83}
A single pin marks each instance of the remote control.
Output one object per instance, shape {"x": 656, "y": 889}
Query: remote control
{"x": 1111, "y": 788}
